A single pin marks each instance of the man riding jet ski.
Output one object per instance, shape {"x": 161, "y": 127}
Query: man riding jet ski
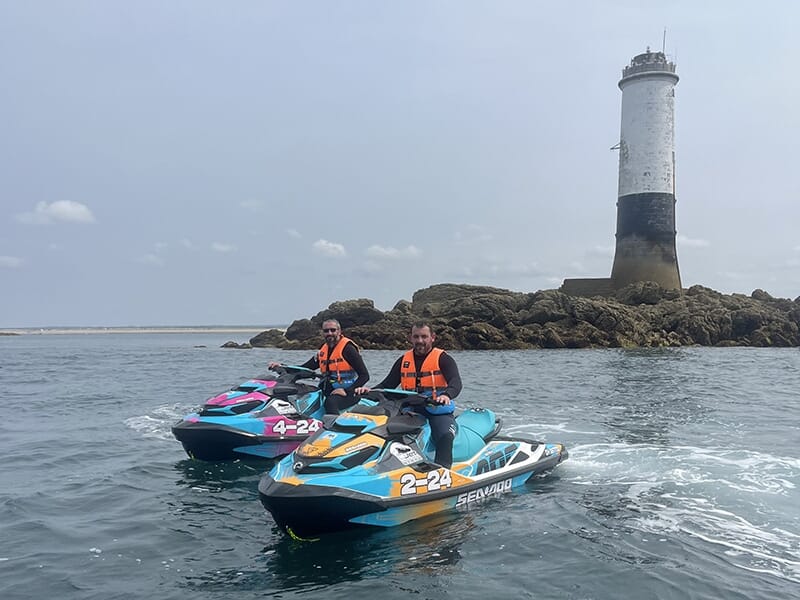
{"x": 265, "y": 417}
{"x": 372, "y": 466}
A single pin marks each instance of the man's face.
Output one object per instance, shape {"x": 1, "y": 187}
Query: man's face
{"x": 331, "y": 332}
{"x": 422, "y": 339}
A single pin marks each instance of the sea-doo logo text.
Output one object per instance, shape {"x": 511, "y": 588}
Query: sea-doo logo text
{"x": 355, "y": 447}
{"x": 497, "y": 488}
{"x": 432, "y": 482}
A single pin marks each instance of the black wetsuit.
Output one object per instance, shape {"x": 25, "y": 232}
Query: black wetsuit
{"x": 443, "y": 426}
{"x": 335, "y": 403}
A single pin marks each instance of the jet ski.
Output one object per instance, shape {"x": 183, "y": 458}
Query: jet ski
{"x": 264, "y": 417}
{"x": 372, "y": 466}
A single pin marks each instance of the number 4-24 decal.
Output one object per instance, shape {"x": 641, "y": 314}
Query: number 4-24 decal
{"x": 301, "y": 427}
{"x": 433, "y": 481}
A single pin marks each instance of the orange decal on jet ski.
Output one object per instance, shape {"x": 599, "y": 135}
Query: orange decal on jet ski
{"x": 321, "y": 446}
{"x": 363, "y": 441}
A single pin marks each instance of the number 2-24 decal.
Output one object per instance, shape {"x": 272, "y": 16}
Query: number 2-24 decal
{"x": 433, "y": 481}
{"x": 301, "y": 427}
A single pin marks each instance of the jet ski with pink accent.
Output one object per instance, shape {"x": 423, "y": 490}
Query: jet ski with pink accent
{"x": 373, "y": 466}
{"x": 265, "y": 417}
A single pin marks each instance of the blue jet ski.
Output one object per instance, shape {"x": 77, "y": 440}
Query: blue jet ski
{"x": 372, "y": 466}
{"x": 264, "y": 417}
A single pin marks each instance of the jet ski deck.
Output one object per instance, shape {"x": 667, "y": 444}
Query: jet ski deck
{"x": 372, "y": 467}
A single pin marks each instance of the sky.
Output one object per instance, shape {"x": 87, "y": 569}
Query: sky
{"x": 197, "y": 162}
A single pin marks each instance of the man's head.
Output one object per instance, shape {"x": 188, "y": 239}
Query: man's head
{"x": 422, "y": 338}
{"x": 331, "y": 331}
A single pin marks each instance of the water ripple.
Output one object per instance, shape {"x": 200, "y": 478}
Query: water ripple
{"x": 682, "y": 480}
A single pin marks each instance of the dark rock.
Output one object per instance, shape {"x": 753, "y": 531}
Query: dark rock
{"x": 403, "y": 307}
{"x": 242, "y": 346}
{"x": 269, "y": 338}
{"x": 349, "y": 313}
{"x": 481, "y": 317}
{"x": 760, "y": 295}
{"x": 645, "y": 292}
{"x": 301, "y": 329}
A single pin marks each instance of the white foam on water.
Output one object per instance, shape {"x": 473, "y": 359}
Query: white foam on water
{"x": 739, "y": 500}
{"x": 543, "y": 429}
{"x": 752, "y": 546}
{"x": 159, "y": 423}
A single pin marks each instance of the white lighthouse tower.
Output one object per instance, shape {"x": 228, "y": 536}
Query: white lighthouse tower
{"x": 645, "y": 247}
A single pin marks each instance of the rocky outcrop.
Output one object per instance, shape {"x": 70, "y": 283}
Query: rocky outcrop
{"x": 238, "y": 346}
{"x": 467, "y": 317}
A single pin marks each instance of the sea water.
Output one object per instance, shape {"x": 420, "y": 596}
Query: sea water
{"x": 682, "y": 480}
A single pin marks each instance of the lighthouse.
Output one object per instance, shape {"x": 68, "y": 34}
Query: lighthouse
{"x": 645, "y": 239}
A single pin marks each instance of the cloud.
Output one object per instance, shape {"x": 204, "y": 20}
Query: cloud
{"x": 151, "y": 259}
{"x": 159, "y": 246}
{"x": 685, "y": 241}
{"x": 792, "y": 263}
{"x": 472, "y": 234}
{"x": 10, "y": 262}
{"x": 523, "y": 270}
{"x": 252, "y": 205}
{"x": 389, "y": 253}
{"x": 329, "y": 249}
{"x": 503, "y": 270}
{"x": 601, "y": 251}
{"x": 371, "y": 267}
{"x": 735, "y": 275}
{"x": 576, "y": 267}
{"x": 222, "y": 248}
{"x": 64, "y": 211}
{"x": 187, "y": 243}
{"x": 293, "y": 233}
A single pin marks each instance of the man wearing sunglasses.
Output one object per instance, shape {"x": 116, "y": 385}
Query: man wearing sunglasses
{"x": 341, "y": 365}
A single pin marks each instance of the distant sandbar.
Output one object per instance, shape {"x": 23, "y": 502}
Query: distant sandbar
{"x": 95, "y": 330}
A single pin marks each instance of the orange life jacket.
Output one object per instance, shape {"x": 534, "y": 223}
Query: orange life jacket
{"x": 428, "y": 380}
{"x": 334, "y": 368}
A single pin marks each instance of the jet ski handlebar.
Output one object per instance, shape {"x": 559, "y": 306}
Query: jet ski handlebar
{"x": 398, "y": 396}
{"x": 291, "y": 373}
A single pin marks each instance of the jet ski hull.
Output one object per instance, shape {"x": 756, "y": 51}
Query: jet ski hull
{"x": 307, "y": 505}
{"x": 261, "y": 418}
{"x": 212, "y": 441}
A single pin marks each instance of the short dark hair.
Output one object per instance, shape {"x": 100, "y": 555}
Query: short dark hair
{"x": 421, "y": 324}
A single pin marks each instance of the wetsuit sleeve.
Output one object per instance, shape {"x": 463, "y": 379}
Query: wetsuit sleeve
{"x": 450, "y": 371}
{"x": 392, "y": 380}
{"x": 313, "y": 362}
{"x": 353, "y": 356}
